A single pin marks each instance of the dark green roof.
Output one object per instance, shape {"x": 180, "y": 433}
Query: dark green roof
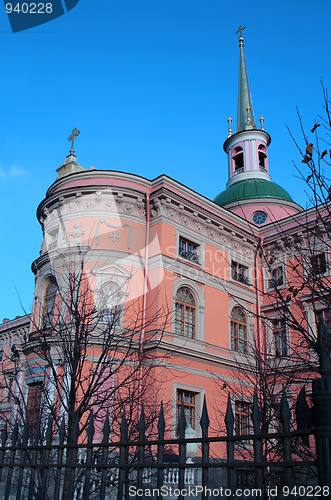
{"x": 250, "y": 189}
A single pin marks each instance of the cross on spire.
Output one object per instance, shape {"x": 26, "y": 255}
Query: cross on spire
{"x": 239, "y": 31}
{"x": 75, "y": 133}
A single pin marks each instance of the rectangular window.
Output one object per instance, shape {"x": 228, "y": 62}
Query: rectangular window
{"x": 318, "y": 264}
{"x": 33, "y": 405}
{"x": 277, "y": 277}
{"x": 188, "y": 250}
{"x": 281, "y": 344}
{"x": 189, "y": 400}
{"x": 239, "y": 272}
{"x": 242, "y": 417}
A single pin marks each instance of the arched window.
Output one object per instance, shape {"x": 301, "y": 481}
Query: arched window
{"x": 238, "y": 160}
{"x": 49, "y": 303}
{"x": 238, "y": 330}
{"x": 185, "y": 313}
{"x": 262, "y": 158}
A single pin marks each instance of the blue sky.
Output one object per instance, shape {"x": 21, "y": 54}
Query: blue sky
{"x": 150, "y": 84}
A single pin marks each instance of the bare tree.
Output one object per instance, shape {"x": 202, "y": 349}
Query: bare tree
{"x": 89, "y": 359}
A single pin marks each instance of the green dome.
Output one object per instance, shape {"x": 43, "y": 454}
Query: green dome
{"x": 251, "y": 189}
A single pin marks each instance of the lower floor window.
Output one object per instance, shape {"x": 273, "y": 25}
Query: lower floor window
{"x": 242, "y": 417}
{"x": 189, "y": 400}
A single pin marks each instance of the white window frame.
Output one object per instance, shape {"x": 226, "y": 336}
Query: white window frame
{"x": 199, "y": 309}
{"x": 200, "y": 393}
{"x": 191, "y": 237}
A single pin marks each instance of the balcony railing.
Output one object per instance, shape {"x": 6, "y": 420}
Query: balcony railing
{"x": 192, "y": 256}
{"x": 275, "y": 282}
{"x": 240, "y": 277}
{"x": 239, "y": 170}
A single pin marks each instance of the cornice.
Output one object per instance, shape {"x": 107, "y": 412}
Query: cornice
{"x": 173, "y": 208}
{"x": 93, "y": 201}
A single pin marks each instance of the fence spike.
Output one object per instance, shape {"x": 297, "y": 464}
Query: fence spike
{"x": 229, "y": 417}
{"x": 256, "y": 414}
{"x": 76, "y": 429}
{"x": 161, "y": 423}
{"x": 4, "y": 435}
{"x": 62, "y": 431}
{"x": 49, "y": 432}
{"x": 204, "y": 420}
{"x": 285, "y": 413}
{"x": 14, "y": 435}
{"x": 90, "y": 429}
{"x": 106, "y": 428}
{"x": 141, "y": 423}
{"x": 26, "y": 431}
{"x": 303, "y": 415}
{"x": 37, "y": 433}
{"x": 182, "y": 421}
{"x": 124, "y": 427}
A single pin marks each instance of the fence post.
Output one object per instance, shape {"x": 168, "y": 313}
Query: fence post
{"x": 285, "y": 418}
{"x": 258, "y": 444}
{"x": 141, "y": 448}
{"x": 89, "y": 458}
{"x": 46, "y": 455}
{"x": 123, "y": 458}
{"x": 34, "y": 456}
{"x": 4, "y": 436}
{"x": 182, "y": 449}
{"x": 104, "y": 459}
{"x": 322, "y": 428}
{"x": 160, "y": 448}
{"x": 204, "y": 424}
{"x": 229, "y": 423}
{"x": 62, "y": 433}
{"x": 321, "y": 410}
{"x": 14, "y": 437}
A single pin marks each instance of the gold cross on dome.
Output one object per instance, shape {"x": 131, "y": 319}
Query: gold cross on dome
{"x": 240, "y": 30}
{"x": 75, "y": 133}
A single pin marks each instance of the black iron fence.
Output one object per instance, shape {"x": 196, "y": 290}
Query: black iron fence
{"x": 48, "y": 467}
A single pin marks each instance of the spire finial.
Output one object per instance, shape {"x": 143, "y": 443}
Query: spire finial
{"x": 246, "y": 119}
{"x": 262, "y": 120}
{"x": 239, "y": 32}
{"x": 230, "y": 128}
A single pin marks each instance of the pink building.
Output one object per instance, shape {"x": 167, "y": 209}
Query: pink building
{"x": 159, "y": 244}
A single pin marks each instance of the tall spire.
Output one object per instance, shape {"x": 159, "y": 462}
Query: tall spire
{"x": 245, "y": 119}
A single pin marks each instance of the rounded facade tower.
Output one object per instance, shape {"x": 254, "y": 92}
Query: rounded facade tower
{"x": 250, "y": 192}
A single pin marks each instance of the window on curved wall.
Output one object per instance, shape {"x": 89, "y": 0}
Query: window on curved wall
{"x": 108, "y": 307}
{"x": 262, "y": 152}
{"x": 238, "y": 160}
{"x": 49, "y": 303}
{"x": 185, "y": 313}
{"x": 238, "y": 330}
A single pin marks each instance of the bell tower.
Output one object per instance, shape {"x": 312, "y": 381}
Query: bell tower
{"x": 250, "y": 191}
{"x": 247, "y": 148}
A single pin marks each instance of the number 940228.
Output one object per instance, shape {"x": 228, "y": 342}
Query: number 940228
{"x": 29, "y": 8}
